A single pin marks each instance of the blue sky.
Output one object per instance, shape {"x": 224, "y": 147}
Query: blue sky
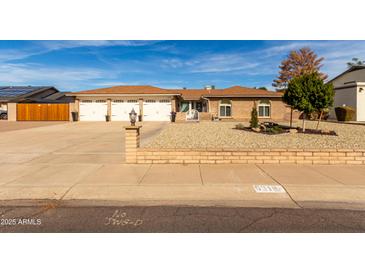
{"x": 79, "y": 65}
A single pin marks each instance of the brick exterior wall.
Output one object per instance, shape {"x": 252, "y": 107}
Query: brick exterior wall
{"x": 241, "y": 108}
{"x": 247, "y": 156}
{"x": 132, "y": 142}
{"x": 204, "y": 116}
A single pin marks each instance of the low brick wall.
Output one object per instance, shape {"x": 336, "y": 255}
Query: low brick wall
{"x": 246, "y": 156}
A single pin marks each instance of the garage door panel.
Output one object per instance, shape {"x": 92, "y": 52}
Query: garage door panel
{"x": 95, "y": 110}
{"x": 156, "y": 110}
{"x": 121, "y": 109}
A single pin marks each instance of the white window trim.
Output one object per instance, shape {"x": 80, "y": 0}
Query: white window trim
{"x": 224, "y": 105}
{"x": 264, "y": 105}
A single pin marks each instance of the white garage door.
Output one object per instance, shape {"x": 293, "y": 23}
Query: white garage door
{"x": 122, "y": 108}
{"x": 93, "y": 110}
{"x": 156, "y": 110}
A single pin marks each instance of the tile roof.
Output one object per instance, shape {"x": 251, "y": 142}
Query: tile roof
{"x": 186, "y": 94}
{"x": 126, "y": 90}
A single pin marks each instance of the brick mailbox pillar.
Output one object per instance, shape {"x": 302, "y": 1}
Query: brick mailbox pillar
{"x": 132, "y": 139}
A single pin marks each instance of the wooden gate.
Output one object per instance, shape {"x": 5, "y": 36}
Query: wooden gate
{"x": 43, "y": 112}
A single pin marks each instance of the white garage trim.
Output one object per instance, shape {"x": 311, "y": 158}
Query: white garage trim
{"x": 93, "y": 110}
{"x": 156, "y": 110}
{"x": 121, "y": 108}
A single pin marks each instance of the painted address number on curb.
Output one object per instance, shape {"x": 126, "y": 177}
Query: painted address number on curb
{"x": 268, "y": 189}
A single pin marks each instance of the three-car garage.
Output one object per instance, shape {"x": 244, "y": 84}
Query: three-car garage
{"x": 119, "y": 109}
{"x": 115, "y": 103}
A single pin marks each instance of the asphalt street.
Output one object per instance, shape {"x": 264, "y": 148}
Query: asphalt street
{"x": 53, "y": 218}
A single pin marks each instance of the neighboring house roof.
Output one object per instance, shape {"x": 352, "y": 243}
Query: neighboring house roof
{"x": 17, "y": 91}
{"x": 32, "y": 94}
{"x": 352, "y": 68}
{"x": 186, "y": 94}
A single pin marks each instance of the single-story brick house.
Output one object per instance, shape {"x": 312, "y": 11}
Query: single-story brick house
{"x": 156, "y": 104}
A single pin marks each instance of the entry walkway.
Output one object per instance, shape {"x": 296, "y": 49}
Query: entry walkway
{"x": 285, "y": 186}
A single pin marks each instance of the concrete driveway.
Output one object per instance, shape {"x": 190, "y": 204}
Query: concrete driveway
{"x": 67, "y": 143}
{"x": 84, "y": 162}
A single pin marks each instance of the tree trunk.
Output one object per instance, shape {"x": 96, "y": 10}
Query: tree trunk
{"x": 303, "y": 125}
{"x": 319, "y": 119}
{"x": 291, "y": 117}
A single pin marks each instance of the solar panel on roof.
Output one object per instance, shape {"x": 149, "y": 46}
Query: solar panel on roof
{"x": 9, "y": 91}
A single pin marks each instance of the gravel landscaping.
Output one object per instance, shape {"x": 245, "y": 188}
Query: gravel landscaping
{"x": 223, "y": 135}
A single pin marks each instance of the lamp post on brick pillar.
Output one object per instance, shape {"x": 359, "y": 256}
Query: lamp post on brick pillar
{"x": 132, "y": 138}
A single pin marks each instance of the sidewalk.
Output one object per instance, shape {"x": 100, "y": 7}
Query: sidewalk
{"x": 304, "y": 186}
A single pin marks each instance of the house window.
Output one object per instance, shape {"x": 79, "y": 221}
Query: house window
{"x": 132, "y": 101}
{"x": 184, "y": 106}
{"x": 225, "y": 108}
{"x": 264, "y": 109}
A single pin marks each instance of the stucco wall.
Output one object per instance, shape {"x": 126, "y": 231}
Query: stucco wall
{"x": 358, "y": 76}
{"x": 11, "y": 111}
{"x": 360, "y": 102}
{"x": 345, "y": 96}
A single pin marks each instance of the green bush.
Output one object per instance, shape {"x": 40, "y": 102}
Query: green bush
{"x": 254, "y": 122}
{"x": 240, "y": 126}
{"x": 345, "y": 113}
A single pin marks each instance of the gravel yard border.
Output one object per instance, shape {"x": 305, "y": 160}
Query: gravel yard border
{"x": 217, "y": 135}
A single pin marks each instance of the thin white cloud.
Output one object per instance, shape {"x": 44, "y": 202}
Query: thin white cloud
{"x": 57, "y": 45}
{"x": 259, "y": 63}
{"x": 42, "y": 47}
{"x": 62, "y": 77}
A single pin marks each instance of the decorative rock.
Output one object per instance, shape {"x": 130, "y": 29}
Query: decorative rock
{"x": 293, "y": 131}
{"x": 224, "y": 134}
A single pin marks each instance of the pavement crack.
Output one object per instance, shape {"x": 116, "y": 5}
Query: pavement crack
{"x": 77, "y": 182}
{"x": 200, "y": 174}
{"x": 144, "y": 175}
{"x": 287, "y": 192}
{"x": 255, "y": 221}
{"x": 325, "y": 175}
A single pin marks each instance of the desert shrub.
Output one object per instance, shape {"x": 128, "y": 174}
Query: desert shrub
{"x": 345, "y": 113}
{"x": 240, "y": 126}
{"x": 276, "y": 129}
{"x": 254, "y": 122}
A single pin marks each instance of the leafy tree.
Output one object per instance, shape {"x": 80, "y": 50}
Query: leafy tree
{"x": 321, "y": 96}
{"x": 298, "y": 63}
{"x": 254, "y": 122}
{"x": 303, "y": 61}
{"x": 308, "y": 93}
{"x": 355, "y": 62}
{"x": 263, "y": 88}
